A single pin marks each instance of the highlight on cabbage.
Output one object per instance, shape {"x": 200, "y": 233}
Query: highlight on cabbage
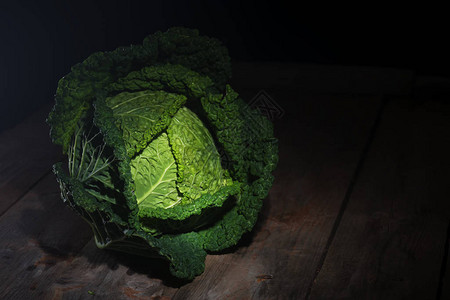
{"x": 146, "y": 129}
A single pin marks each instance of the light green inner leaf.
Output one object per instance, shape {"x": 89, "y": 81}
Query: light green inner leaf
{"x": 142, "y": 115}
{"x": 178, "y": 167}
{"x": 154, "y": 172}
{"x": 199, "y": 168}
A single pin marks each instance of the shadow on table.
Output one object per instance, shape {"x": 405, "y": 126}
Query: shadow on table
{"x": 64, "y": 237}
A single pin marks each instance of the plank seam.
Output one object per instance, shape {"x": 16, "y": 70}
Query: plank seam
{"x": 348, "y": 193}
{"x": 443, "y": 272}
{"x": 26, "y": 192}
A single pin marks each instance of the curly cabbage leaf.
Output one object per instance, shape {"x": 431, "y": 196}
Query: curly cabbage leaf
{"x": 146, "y": 129}
{"x": 198, "y": 161}
{"x": 155, "y": 175}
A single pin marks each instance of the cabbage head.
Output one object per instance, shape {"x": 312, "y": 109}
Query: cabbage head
{"x": 164, "y": 159}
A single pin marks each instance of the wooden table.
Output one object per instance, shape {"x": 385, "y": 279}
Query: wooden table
{"x": 359, "y": 209}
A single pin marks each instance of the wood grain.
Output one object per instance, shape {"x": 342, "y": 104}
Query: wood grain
{"x": 26, "y": 154}
{"x": 444, "y": 292}
{"x": 321, "y": 138}
{"x": 390, "y": 242}
{"x": 38, "y": 233}
{"x": 44, "y": 246}
{"x": 47, "y": 252}
{"x": 107, "y": 275}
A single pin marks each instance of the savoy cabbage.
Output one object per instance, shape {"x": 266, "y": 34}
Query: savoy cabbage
{"x": 164, "y": 159}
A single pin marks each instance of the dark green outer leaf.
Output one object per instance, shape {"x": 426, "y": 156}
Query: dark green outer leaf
{"x": 76, "y": 91}
{"x": 142, "y": 115}
{"x": 253, "y": 155}
{"x": 105, "y": 121}
{"x": 252, "y": 147}
{"x": 183, "y": 251}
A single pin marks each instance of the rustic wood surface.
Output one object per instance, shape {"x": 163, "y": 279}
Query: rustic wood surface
{"x": 391, "y": 240}
{"x": 359, "y": 209}
{"x": 25, "y": 156}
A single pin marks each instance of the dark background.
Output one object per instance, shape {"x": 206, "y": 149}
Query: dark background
{"x": 40, "y": 40}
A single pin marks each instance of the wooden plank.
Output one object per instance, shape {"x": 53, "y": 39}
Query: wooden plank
{"x": 321, "y": 138}
{"x": 390, "y": 242}
{"x": 47, "y": 252}
{"x": 319, "y": 150}
{"x": 43, "y": 241}
{"x": 107, "y": 275}
{"x": 26, "y": 154}
{"x": 444, "y": 291}
{"x": 38, "y": 233}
